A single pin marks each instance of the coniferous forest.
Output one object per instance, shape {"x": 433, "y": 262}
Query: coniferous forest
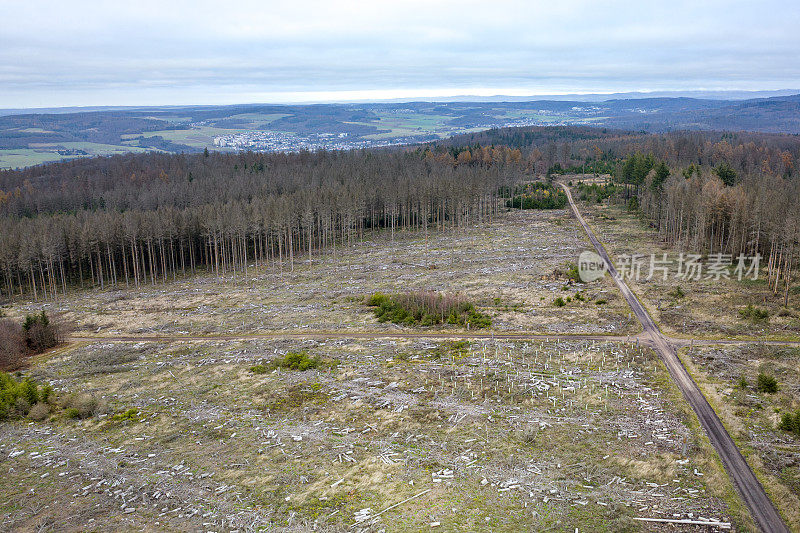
{"x": 137, "y": 219}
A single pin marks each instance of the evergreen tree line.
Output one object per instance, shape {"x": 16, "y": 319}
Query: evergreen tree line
{"x": 147, "y": 218}
{"x": 583, "y": 148}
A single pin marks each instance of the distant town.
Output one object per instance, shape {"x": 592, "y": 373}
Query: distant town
{"x": 281, "y": 141}
{"x": 277, "y": 141}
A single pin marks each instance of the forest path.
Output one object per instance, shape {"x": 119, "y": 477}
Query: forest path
{"x": 752, "y": 492}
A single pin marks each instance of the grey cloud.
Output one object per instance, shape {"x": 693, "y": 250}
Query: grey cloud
{"x": 89, "y": 53}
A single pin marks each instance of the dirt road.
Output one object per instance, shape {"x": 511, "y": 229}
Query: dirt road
{"x": 311, "y": 334}
{"x": 761, "y": 508}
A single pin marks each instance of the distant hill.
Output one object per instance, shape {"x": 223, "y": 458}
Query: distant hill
{"x": 37, "y": 137}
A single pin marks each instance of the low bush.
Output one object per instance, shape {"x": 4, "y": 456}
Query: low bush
{"x": 84, "y": 404}
{"x": 13, "y": 349}
{"x": 767, "y": 383}
{"x": 559, "y": 302}
{"x": 573, "y": 273}
{"x": 754, "y": 313}
{"x": 601, "y": 301}
{"x": 790, "y": 422}
{"x": 597, "y": 193}
{"x": 677, "y": 293}
{"x": 40, "y": 333}
{"x": 259, "y": 369}
{"x": 129, "y": 415}
{"x": 23, "y": 397}
{"x": 299, "y": 361}
{"x": 425, "y": 308}
{"x": 39, "y": 412}
{"x": 18, "y": 341}
{"x": 18, "y": 397}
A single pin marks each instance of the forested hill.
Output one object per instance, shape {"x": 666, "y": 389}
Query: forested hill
{"x": 748, "y": 152}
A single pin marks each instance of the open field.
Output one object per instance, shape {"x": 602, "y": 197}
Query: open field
{"x": 502, "y": 437}
{"x": 196, "y": 137}
{"x": 505, "y": 268}
{"x": 47, "y": 153}
{"x": 708, "y": 307}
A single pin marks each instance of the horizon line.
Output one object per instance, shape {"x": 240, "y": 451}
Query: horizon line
{"x": 479, "y": 96}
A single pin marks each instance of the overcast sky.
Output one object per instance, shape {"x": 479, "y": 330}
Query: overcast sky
{"x": 143, "y": 52}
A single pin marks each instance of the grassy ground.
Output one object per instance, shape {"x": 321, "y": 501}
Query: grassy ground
{"x": 708, "y": 307}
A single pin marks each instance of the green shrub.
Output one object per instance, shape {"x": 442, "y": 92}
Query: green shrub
{"x": 754, "y": 313}
{"x": 130, "y": 415}
{"x": 597, "y": 193}
{"x": 259, "y": 369}
{"x": 426, "y": 308}
{"x": 573, "y": 274}
{"x": 377, "y": 299}
{"x": 559, "y": 302}
{"x": 743, "y": 383}
{"x": 601, "y": 301}
{"x": 767, "y": 383}
{"x": 17, "y": 397}
{"x": 677, "y": 293}
{"x": 790, "y": 422}
{"x": 298, "y": 361}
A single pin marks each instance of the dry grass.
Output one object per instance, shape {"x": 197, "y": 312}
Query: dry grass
{"x": 707, "y": 307}
{"x": 752, "y": 415}
{"x": 506, "y": 436}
